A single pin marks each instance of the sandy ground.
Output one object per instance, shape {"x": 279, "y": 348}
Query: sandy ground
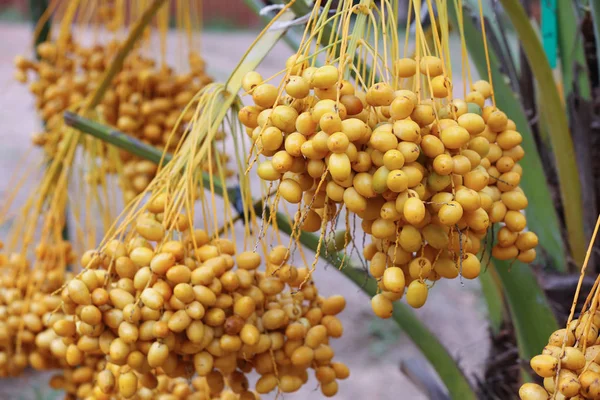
{"x": 373, "y": 349}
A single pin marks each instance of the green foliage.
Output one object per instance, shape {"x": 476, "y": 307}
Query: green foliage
{"x": 558, "y": 130}
{"x": 491, "y": 287}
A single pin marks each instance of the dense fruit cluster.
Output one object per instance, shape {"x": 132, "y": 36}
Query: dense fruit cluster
{"x": 153, "y": 306}
{"x": 427, "y": 177}
{"x": 573, "y": 373}
{"x": 146, "y": 101}
{"x": 90, "y": 379}
{"x": 24, "y": 311}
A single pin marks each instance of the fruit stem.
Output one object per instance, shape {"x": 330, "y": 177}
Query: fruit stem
{"x": 134, "y": 146}
{"x": 117, "y": 64}
{"x": 435, "y": 352}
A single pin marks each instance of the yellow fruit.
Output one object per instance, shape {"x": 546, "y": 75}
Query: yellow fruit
{"x": 380, "y": 94}
{"x": 432, "y": 146}
{"x": 527, "y": 256}
{"x": 573, "y": 359}
{"x": 414, "y": 210}
{"x": 455, "y": 137}
{"x": 446, "y": 268}
{"x": 383, "y": 229}
{"x": 471, "y": 267}
{"x": 431, "y": 66}
{"x": 297, "y": 87}
{"x": 419, "y": 268}
{"x": 532, "y": 391}
{"x": 423, "y": 114}
{"x": 402, "y": 106}
{"x": 416, "y": 294}
{"x": 324, "y": 76}
{"x": 251, "y": 80}
{"x": 410, "y": 238}
{"x": 441, "y": 86}
{"x": 568, "y": 384}
{"x": 265, "y": 95}
{"x": 482, "y": 87}
{"x": 284, "y": 118}
{"x": 450, "y": 213}
{"x": 505, "y": 253}
{"x": 473, "y": 123}
{"x": 128, "y": 384}
{"x": 397, "y": 181}
{"x": 339, "y": 166}
{"x": 407, "y": 130}
{"x": 382, "y": 307}
{"x": 544, "y": 365}
{"x": 393, "y": 279}
{"x": 267, "y": 172}
{"x": 405, "y": 67}
{"x": 290, "y": 190}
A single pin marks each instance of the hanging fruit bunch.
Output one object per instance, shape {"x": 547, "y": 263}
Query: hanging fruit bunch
{"x": 146, "y": 97}
{"x": 426, "y": 173}
{"x": 161, "y": 299}
{"x": 22, "y": 307}
{"x": 35, "y": 260}
{"x": 570, "y": 363}
{"x": 37, "y": 254}
{"x": 36, "y": 257}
